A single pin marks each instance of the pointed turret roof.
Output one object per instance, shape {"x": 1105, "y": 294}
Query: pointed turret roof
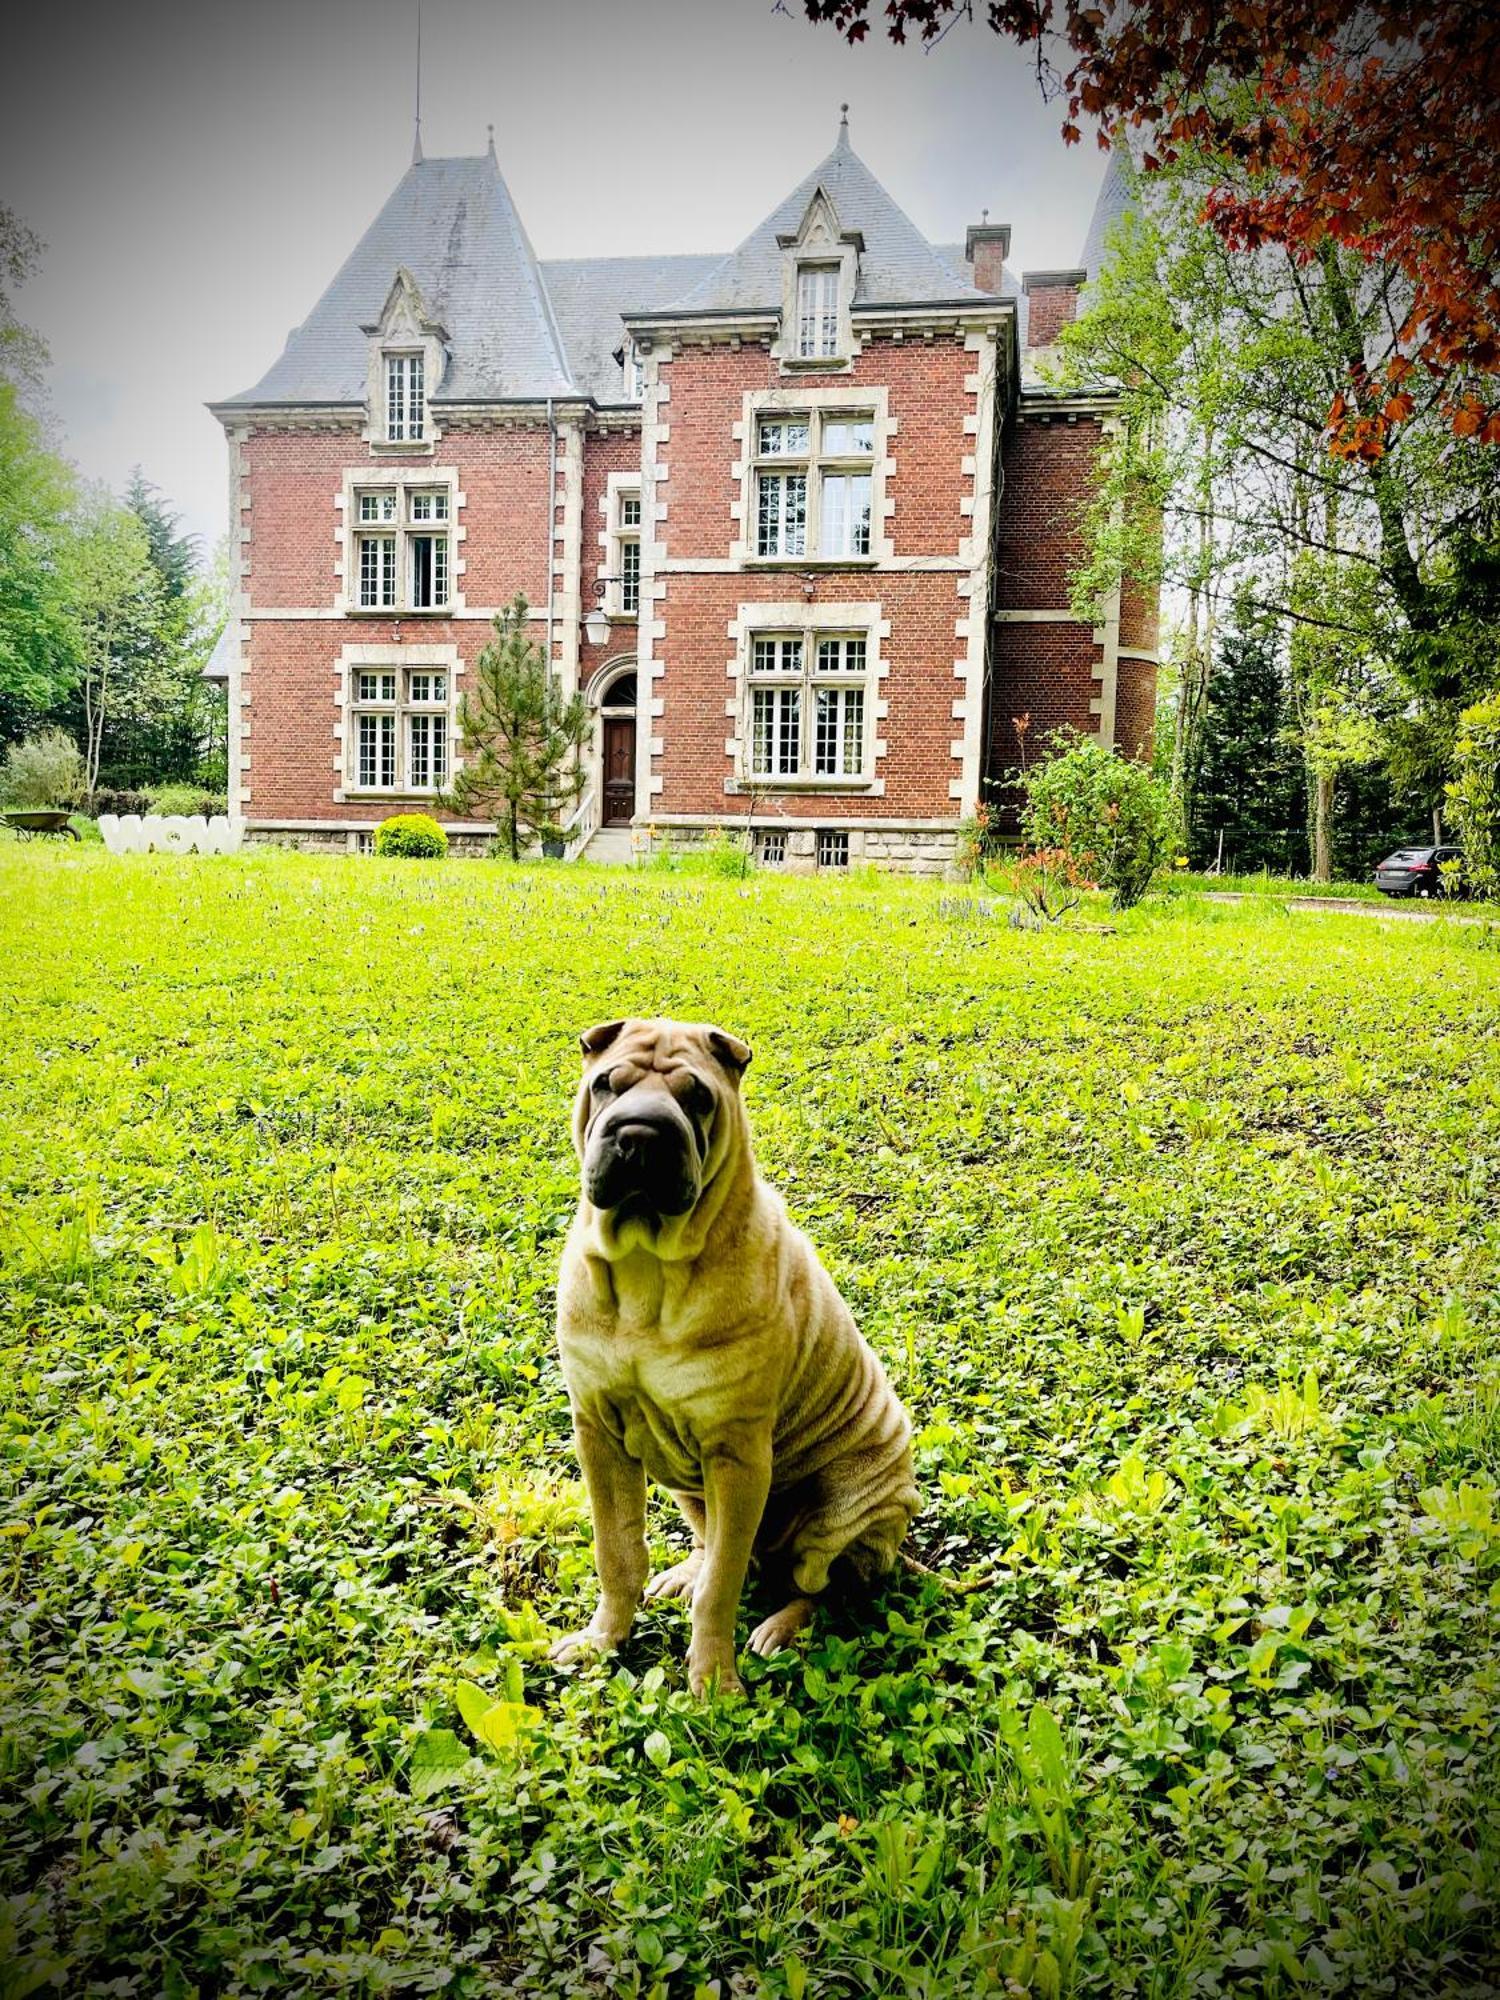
{"x": 897, "y": 264}
{"x": 450, "y": 224}
{"x": 1114, "y": 202}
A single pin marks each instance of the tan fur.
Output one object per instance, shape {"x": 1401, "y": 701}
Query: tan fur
{"x": 712, "y": 1353}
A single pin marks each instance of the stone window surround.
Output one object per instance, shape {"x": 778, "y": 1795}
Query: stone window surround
{"x": 358, "y": 478}
{"x": 759, "y": 403}
{"x": 818, "y": 240}
{"x": 865, "y": 620}
{"x": 400, "y": 659}
{"x": 601, "y": 682}
{"x": 402, "y": 329}
{"x": 609, "y": 566}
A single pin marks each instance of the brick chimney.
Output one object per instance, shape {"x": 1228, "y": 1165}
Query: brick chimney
{"x": 986, "y": 248}
{"x": 1054, "y": 303}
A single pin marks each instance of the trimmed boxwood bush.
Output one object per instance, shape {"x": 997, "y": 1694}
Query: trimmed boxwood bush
{"x": 416, "y": 836}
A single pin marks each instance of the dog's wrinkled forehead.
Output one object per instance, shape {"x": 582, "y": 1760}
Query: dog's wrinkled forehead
{"x": 663, "y": 1046}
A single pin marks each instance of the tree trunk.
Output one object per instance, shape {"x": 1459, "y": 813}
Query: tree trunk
{"x": 515, "y": 834}
{"x": 1198, "y": 654}
{"x": 1400, "y": 565}
{"x": 1323, "y": 827}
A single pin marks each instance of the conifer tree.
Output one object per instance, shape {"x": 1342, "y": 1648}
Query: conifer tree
{"x": 521, "y": 736}
{"x": 1247, "y": 804}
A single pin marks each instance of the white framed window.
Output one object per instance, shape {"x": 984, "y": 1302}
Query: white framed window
{"x": 776, "y": 697}
{"x": 405, "y": 399}
{"x": 426, "y": 752}
{"x": 633, "y": 364}
{"x": 400, "y": 723}
{"x": 818, "y": 311}
{"x": 833, "y": 847}
{"x": 626, "y": 550}
{"x": 377, "y": 572}
{"x": 375, "y": 752}
{"x": 770, "y": 849}
{"x": 809, "y": 707}
{"x": 406, "y": 563}
{"x": 814, "y": 485}
{"x": 845, "y": 514}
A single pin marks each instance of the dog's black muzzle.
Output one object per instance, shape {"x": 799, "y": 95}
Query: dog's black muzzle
{"x": 646, "y": 1157}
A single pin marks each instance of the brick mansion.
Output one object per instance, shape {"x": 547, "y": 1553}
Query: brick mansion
{"x": 798, "y": 520}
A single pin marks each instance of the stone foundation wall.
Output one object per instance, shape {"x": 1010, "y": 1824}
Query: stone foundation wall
{"x": 324, "y": 840}
{"x": 896, "y": 850}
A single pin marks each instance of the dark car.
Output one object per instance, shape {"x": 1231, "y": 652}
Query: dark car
{"x": 1415, "y": 871}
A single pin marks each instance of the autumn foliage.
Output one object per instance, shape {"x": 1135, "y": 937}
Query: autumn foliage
{"x": 1376, "y": 127}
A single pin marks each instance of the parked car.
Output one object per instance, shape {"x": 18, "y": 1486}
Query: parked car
{"x": 1415, "y": 871}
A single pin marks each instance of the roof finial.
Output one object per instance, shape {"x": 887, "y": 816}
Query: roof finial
{"x": 843, "y": 121}
{"x": 984, "y": 216}
{"x": 491, "y": 130}
{"x": 416, "y": 144}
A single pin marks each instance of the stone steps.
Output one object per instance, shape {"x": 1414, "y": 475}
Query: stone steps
{"x": 611, "y": 845}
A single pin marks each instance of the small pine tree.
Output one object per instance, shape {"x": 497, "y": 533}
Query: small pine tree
{"x": 521, "y": 737}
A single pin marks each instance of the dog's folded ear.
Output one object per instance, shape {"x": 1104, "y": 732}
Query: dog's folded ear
{"x": 594, "y": 1041}
{"x": 731, "y": 1051}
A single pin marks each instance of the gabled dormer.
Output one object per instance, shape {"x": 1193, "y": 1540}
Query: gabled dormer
{"x": 820, "y": 269}
{"x": 407, "y": 357}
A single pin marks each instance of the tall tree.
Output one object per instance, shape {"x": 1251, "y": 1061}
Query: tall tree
{"x": 1248, "y": 807}
{"x": 22, "y": 352}
{"x": 521, "y": 736}
{"x": 1369, "y": 127}
{"x": 1225, "y": 361}
{"x": 38, "y": 633}
{"x": 162, "y": 726}
{"x": 117, "y": 597}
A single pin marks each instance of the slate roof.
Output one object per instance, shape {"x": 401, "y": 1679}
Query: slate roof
{"x": 897, "y": 266}
{"x": 519, "y": 329}
{"x": 590, "y": 293}
{"x": 452, "y": 224}
{"x": 1113, "y": 202}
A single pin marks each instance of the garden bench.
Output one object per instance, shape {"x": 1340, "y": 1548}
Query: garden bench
{"x": 36, "y": 825}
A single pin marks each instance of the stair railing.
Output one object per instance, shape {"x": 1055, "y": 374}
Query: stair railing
{"x": 579, "y": 830}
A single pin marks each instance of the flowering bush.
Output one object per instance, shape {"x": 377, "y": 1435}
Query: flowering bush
{"x": 415, "y": 836}
{"x": 1111, "y": 819}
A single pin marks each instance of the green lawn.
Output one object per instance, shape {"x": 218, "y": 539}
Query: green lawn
{"x": 1181, "y": 1244}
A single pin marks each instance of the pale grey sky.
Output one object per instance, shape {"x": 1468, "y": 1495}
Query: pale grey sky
{"x": 200, "y": 171}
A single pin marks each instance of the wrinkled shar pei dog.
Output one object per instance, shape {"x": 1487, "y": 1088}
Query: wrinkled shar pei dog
{"x": 705, "y": 1346}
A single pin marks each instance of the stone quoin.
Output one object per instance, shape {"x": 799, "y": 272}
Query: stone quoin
{"x": 800, "y": 521}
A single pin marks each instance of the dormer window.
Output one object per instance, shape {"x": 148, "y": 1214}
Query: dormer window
{"x": 405, "y": 409}
{"x": 819, "y": 278}
{"x": 635, "y": 372}
{"x": 818, "y": 311}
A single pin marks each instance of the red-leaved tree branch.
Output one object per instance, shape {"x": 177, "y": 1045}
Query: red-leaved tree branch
{"x": 1376, "y": 127}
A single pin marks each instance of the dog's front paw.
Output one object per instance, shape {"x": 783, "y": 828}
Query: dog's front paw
{"x": 781, "y": 1628}
{"x": 677, "y": 1581}
{"x": 711, "y": 1669}
{"x": 579, "y": 1645}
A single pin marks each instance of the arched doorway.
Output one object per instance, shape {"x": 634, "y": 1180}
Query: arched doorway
{"x": 617, "y": 714}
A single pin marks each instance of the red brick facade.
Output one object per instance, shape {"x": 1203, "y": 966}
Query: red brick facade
{"x": 959, "y": 613}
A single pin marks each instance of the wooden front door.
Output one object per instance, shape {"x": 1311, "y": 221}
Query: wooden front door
{"x": 619, "y": 770}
